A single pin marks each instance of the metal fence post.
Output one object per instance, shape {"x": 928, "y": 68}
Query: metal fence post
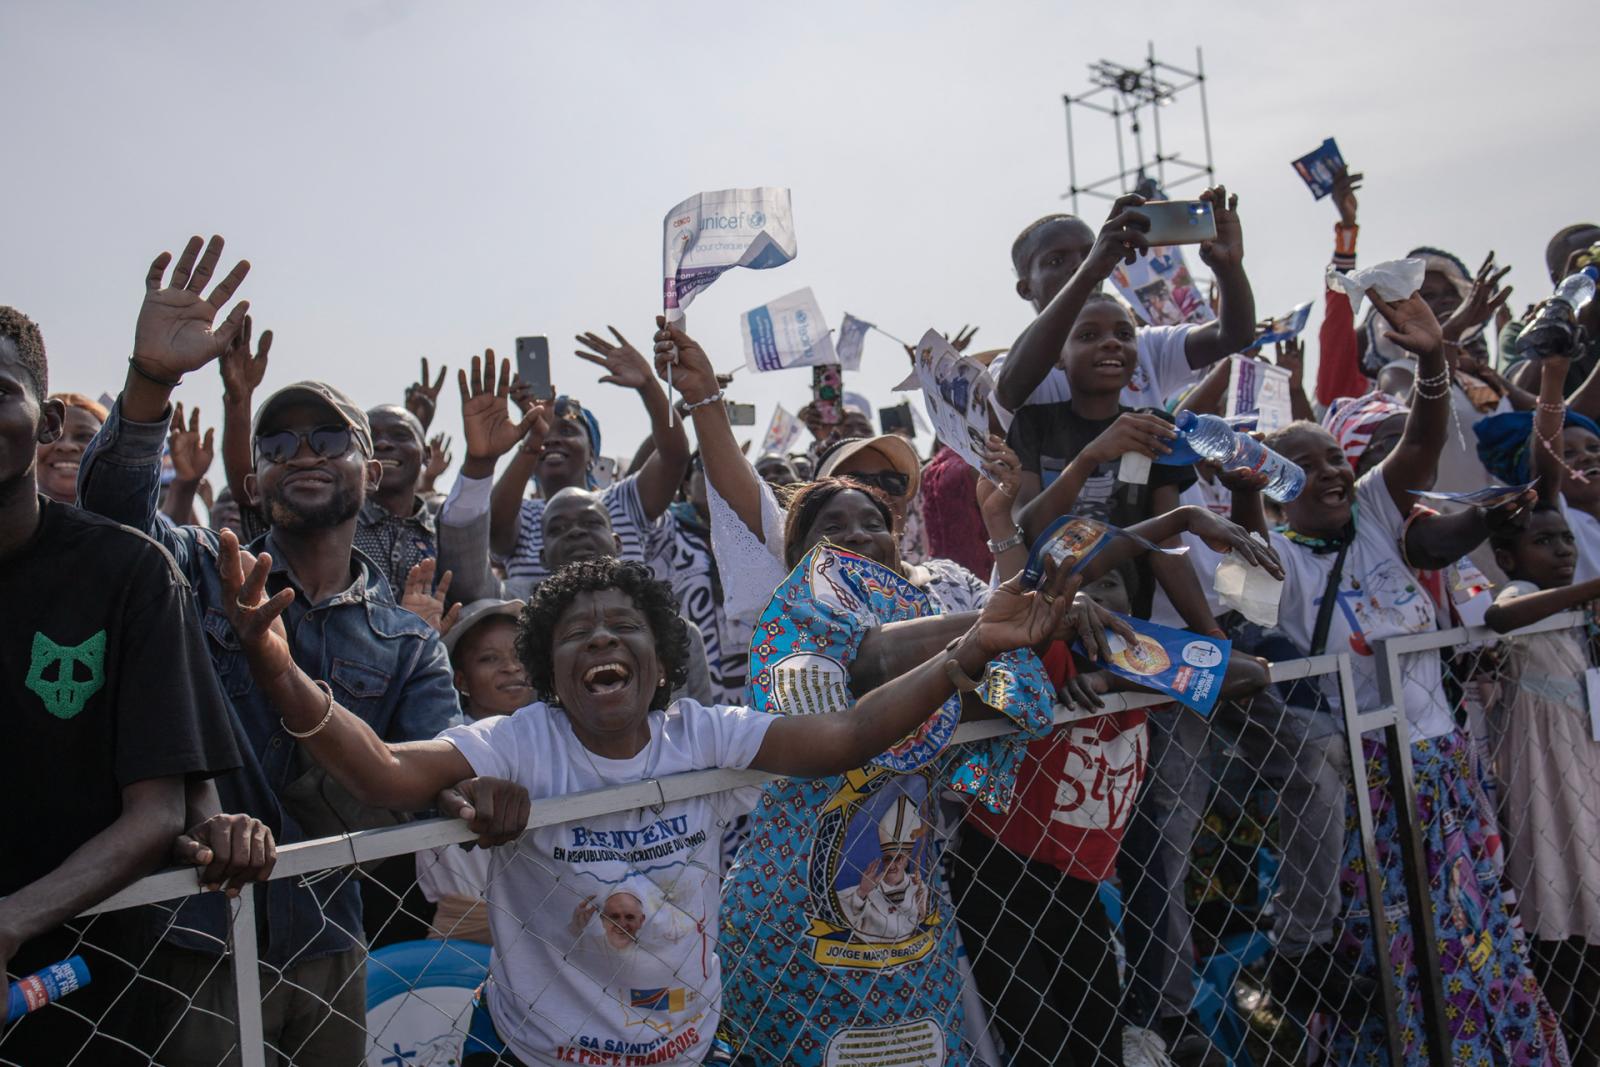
{"x": 1369, "y": 852}
{"x": 1413, "y": 853}
{"x": 247, "y": 981}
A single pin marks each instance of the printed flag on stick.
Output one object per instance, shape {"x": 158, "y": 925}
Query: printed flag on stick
{"x": 782, "y": 432}
{"x": 710, "y": 233}
{"x": 788, "y": 332}
{"x": 852, "y": 336}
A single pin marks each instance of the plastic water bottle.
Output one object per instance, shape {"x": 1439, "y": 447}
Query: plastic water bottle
{"x": 1552, "y": 332}
{"x": 42, "y": 987}
{"x": 1214, "y": 439}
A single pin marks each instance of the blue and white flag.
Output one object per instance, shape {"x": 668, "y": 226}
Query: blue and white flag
{"x": 714, "y": 232}
{"x": 788, "y": 332}
{"x": 852, "y": 335}
{"x": 1290, "y": 324}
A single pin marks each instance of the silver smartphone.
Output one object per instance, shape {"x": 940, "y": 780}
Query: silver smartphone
{"x": 533, "y": 366}
{"x": 741, "y": 414}
{"x": 1179, "y": 222}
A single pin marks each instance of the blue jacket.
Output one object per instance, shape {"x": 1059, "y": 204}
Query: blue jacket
{"x": 383, "y": 663}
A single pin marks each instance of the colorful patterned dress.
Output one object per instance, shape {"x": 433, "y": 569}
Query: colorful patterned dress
{"x": 838, "y": 936}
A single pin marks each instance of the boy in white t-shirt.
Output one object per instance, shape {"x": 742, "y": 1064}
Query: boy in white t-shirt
{"x": 1060, "y": 261}
{"x": 605, "y": 927}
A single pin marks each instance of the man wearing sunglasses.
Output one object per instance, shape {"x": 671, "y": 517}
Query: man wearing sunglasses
{"x": 312, "y": 469}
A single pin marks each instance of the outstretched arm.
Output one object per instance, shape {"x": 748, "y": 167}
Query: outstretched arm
{"x": 727, "y": 468}
{"x": 811, "y": 746}
{"x": 1415, "y": 459}
{"x": 1512, "y": 612}
{"x": 491, "y": 432}
{"x": 1235, "y": 324}
{"x": 662, "y": 473}
{"x": 1038, "y": 348}
{"x": 1548, "y": 418}
{"x": 242, "y": 374}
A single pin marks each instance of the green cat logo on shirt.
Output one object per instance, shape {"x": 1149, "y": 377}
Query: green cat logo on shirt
{"x": 66, "y": 695}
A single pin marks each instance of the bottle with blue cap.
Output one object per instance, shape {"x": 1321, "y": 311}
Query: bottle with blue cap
{"x": 1554, "y": 329}
{"x": 1214, "y": 439}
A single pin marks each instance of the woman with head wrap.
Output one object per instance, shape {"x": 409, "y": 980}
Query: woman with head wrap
{"x": 559, "y": 446}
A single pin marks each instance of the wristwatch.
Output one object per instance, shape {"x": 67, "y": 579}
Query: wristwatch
{"x": 1014, "y": 541}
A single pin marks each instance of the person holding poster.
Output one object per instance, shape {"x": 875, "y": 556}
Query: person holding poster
{"x": 1059, "y": 261}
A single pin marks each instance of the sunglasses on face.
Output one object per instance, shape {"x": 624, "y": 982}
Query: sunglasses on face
{"x": 892, "y": 483}
{"x": 329, "y": 442}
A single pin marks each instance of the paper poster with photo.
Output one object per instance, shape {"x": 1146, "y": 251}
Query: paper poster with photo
{"x": 957, "y": 391}
{"x": 1259, "y": 389}
{"x": 782, "y": 432}
{"x": 1318, "y": 168}
{"x": 1161, "y": 289}
{"x": 1282, "y": 327}
{"x": 1187, "y": 667}
{"x": 710, "y": 233}
{"x": 788, "y": 332}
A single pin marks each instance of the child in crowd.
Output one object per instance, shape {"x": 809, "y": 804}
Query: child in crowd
{"x": 492, "y": 681}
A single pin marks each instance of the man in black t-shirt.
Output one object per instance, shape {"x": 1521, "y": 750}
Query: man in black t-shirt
{"x": 114, "y": 726}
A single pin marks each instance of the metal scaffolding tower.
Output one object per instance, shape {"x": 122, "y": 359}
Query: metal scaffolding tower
{"x": 1136, "y": 94}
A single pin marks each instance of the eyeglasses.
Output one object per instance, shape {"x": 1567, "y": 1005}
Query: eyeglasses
{"x": 894, "y": 483}
{"x": 328, "y": 442}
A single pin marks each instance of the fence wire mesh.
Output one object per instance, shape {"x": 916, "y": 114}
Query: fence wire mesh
{"x": 1167, "y": 888}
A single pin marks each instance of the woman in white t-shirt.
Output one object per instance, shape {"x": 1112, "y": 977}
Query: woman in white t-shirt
{"x": 604, "y": 645}
{"x": 1366, "y": 530}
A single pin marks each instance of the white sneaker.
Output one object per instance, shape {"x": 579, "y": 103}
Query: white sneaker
{"x": 1143, "y": 1048}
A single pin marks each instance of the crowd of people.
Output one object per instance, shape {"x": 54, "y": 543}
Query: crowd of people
{"x": 326, "y": 642}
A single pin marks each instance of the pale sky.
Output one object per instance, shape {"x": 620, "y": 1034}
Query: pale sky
{"x": 416, "y": 179}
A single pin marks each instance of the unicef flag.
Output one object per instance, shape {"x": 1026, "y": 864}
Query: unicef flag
{"x": 713, "y": 232}
{"x": 788, "y": 332}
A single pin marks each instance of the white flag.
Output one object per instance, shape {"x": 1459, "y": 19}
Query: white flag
{"x": 788, "y": 332}
{"x": 958, "y": 392}
{"x": 713, "y": 232}
{"x": 1161, "y": 289}
{"x": 852, "y": 334}
{"x": 782, "y": 432}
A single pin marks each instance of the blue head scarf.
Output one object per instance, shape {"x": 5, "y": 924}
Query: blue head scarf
{"x": 1503, "y": 443}
{"x": 567, "y": 407}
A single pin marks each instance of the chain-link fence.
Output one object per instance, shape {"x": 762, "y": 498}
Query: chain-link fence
{"x": 1164, "y": 885}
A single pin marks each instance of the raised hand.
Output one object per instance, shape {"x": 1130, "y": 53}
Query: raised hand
{"x": 242, "y": 373}
{"x": 1220, "y": 535}
{"x": 692, "y": 373}
{"x": 497, "y": 811}
{"x": 1087, "y": 621}
{"x": 256, "y": 620}
{"x": 490, "y": 430}
{"x": 623, "y": 364}
{"x": 438, "y": 461}
{"x": 1018, "y": 617}
{"x": 1485, "y": 299}
{"x": 191, "y": 453}
{"x": 997, "y": 488}
{"x": 963, "y": 338}
{"x": 1412, "y": 325}
{"x": 421, "y": 598}
{"x": 870, "y": 879}
{"x": 1133, "y": 431}
{"x": 1345, "y": 185}
{"x": 422, "y": 399}
{"x": 234, "y": 850}
{"x": 174, "y": 333}
{"x": 1121, "y": 238}
{"x": 1227, "y": 248}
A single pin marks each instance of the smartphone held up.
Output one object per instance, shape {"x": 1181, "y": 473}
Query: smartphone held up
{"x": 533, "y": 366}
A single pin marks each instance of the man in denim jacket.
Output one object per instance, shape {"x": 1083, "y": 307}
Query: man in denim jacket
{"x": 313, "y": 467}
